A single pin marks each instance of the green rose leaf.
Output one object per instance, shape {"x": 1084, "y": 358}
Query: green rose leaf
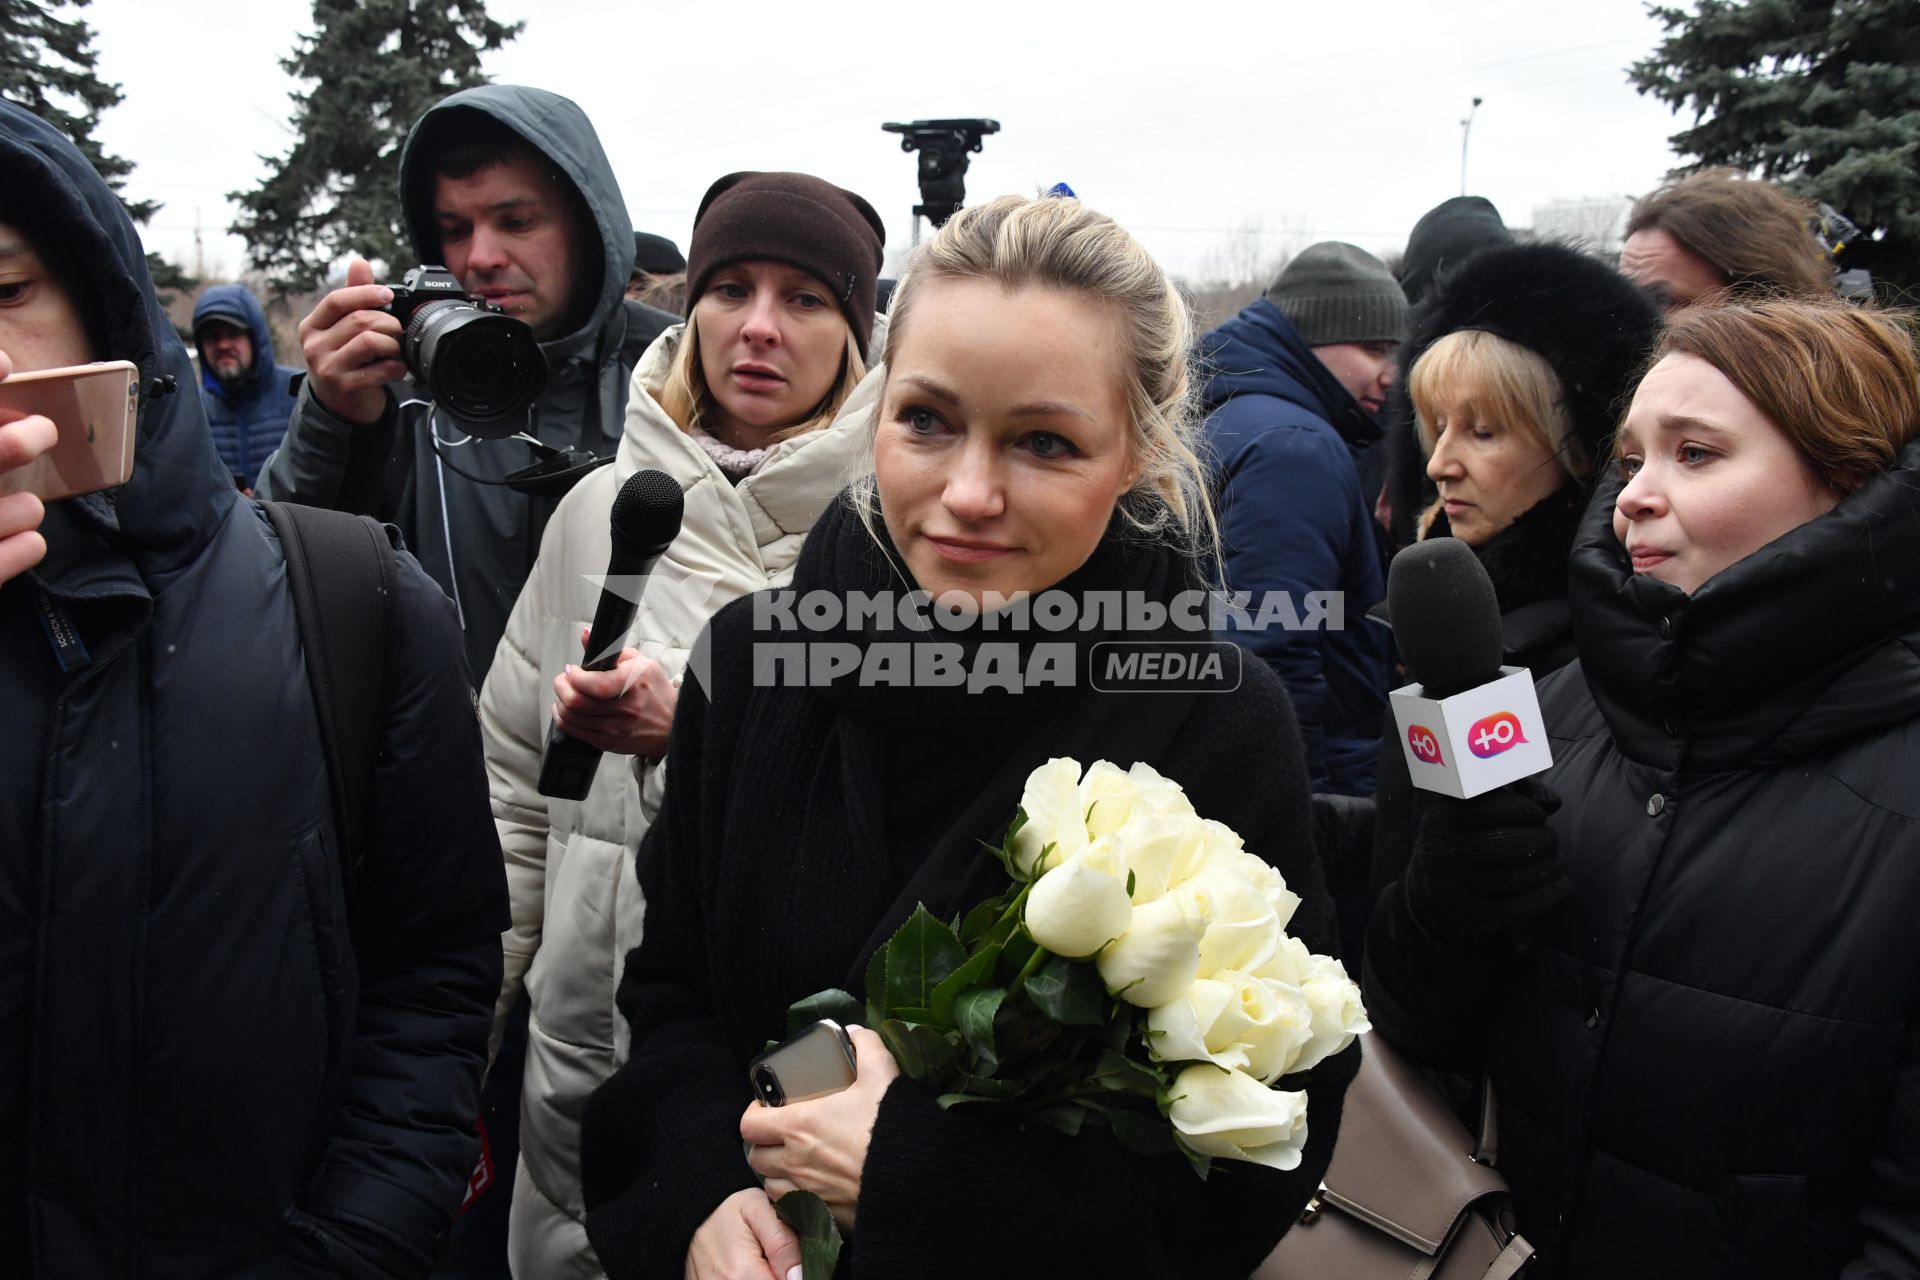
{"x": 1069, "y": 991}
{"x": 820, "y": 1241}
{"x": 981, "y": 919}
{"x": 1014, "y": 955}
{"x": 1117, "y": 1073}
{"x": 976, "y": 972}
{"x": 1202, "y": 1165}
{"x": 1065, "y": 1117}
{"x": 1022, "y": 1034}
{"x": 924, "y": 1053}
{"x": 1149, "y": 1134}
{"x": 974, "y": 1012}
{"x": 1004, "y": 850}
{"x": 988, "y": 1089}
{"x": 919, "y": 957}
{"x": 832, "y": 1004}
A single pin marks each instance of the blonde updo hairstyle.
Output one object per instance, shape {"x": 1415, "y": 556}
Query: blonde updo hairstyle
{"x": 1483, "y": 377}
{"x": 1059, "y": 243}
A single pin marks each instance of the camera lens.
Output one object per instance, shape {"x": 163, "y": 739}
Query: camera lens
{"x": 484, "y": 368}
{"x": 768, "y": 1087}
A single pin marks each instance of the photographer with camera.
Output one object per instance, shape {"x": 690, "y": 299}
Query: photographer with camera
{"x": 508, "y": 189}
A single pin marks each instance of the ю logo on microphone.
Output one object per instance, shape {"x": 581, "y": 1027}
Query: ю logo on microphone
{"x": 1424, "y": 745}
{"x": 1494, "y": 734}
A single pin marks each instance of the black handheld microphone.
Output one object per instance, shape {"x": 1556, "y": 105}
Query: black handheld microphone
{"x": 646, "y": 520}
{"x": 1470, "y": 726}
{"x": 1446, "y": 618}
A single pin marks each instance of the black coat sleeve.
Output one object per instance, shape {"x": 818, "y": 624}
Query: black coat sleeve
{"x": 660, "y": 1140}
{"x": 1431, "y": 999}
{"x": 431, "y": 902}
{"x": 325, "y": 461}
{"x": 1084, "y": 1205}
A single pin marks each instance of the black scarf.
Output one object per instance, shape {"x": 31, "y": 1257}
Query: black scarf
{"x": 1527, "y": 560}
{"x": 922, "y": 775}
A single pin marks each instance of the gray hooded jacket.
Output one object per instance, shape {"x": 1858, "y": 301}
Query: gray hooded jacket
{"x": 478, "y": 539}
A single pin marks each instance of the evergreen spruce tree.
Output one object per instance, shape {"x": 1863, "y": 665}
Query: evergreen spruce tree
{"x": 374, "y": 66}
{"x": 47, "y": 66}
{"x": 1821, "y": 94}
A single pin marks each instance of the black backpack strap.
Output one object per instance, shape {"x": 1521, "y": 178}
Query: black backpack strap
{"x": 341, "y": 569}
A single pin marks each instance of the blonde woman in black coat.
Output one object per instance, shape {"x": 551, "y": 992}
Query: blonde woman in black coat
{"x": 1034, "y": 438}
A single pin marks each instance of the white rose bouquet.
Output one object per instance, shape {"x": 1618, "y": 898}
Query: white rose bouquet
{"x": 1137, "y": 974}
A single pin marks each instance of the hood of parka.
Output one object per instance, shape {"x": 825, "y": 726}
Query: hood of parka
{"x": 1809, "y": 641}
{"x": 235, "y": 302}
{"x": 560, "y": 130}
{"x": 179, "y": 492}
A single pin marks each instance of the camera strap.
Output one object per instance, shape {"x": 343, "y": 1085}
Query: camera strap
{"x": 550, "y": 475}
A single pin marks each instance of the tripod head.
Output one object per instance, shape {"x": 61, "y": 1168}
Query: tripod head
{"x": 943, "y": 146}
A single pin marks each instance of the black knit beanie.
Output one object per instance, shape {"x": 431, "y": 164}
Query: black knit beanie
{"x": 1446, "y": 236}
{"x": 796, "y": 219}
{"x": 656, "y": 255}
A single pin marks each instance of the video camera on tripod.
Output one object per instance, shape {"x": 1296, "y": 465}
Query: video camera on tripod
{"x": 944, "y": 146}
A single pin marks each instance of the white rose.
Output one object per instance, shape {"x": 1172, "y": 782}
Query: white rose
{"x": 1156, "y": 958}
{"x": 1051, "y": 802}
{"x": 1242, "y": 929}
{"x": 1106, "y": 798}
{"x": 1234, "y": 1020}
{"x": 1080, "y": 905}
{"x": 1338, "y": 1015}
{"x": 1289, "y": 963}
{"x": 1158, "y": 794}
{"x": 1231, "y": 1116}
{"x": 1160, "y": 849}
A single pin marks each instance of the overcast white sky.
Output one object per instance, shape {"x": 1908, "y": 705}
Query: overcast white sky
{"x": 1187, "y": 122}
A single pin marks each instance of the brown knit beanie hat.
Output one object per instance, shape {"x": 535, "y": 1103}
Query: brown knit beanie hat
{"x": 796, "y": 219}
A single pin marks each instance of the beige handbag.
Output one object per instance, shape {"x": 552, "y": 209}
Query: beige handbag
{"x": 1409, "y": 1196}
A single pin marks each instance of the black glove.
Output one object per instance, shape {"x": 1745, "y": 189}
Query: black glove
{"x": 1485, "y": 866}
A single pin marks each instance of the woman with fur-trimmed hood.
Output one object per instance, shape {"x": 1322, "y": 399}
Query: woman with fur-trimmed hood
{"x": 1517, "y": 368}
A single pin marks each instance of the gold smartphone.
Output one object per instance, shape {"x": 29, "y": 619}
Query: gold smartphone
{"x": 95, "y": 409}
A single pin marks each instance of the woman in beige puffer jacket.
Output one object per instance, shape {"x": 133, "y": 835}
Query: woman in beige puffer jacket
{"x": 577, "y": 911}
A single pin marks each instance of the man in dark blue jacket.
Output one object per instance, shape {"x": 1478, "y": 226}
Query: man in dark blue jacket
{"x": 1294, "y": 382}
{"x": 247, "y": 395}
{"x": 203, "y": 1071}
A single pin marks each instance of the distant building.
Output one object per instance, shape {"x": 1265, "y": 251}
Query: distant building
{"x": 1599, "y": 222}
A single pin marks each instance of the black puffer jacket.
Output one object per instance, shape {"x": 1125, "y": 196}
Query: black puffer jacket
{"x": 1708, "y": 1062}
{"x": 200, "y": 1074}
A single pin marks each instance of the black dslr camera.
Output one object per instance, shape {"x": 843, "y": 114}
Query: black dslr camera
{"x": 479, "y": 364}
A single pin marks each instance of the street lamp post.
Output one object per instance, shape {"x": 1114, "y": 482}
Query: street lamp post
{"x": 1466, "y": 132}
